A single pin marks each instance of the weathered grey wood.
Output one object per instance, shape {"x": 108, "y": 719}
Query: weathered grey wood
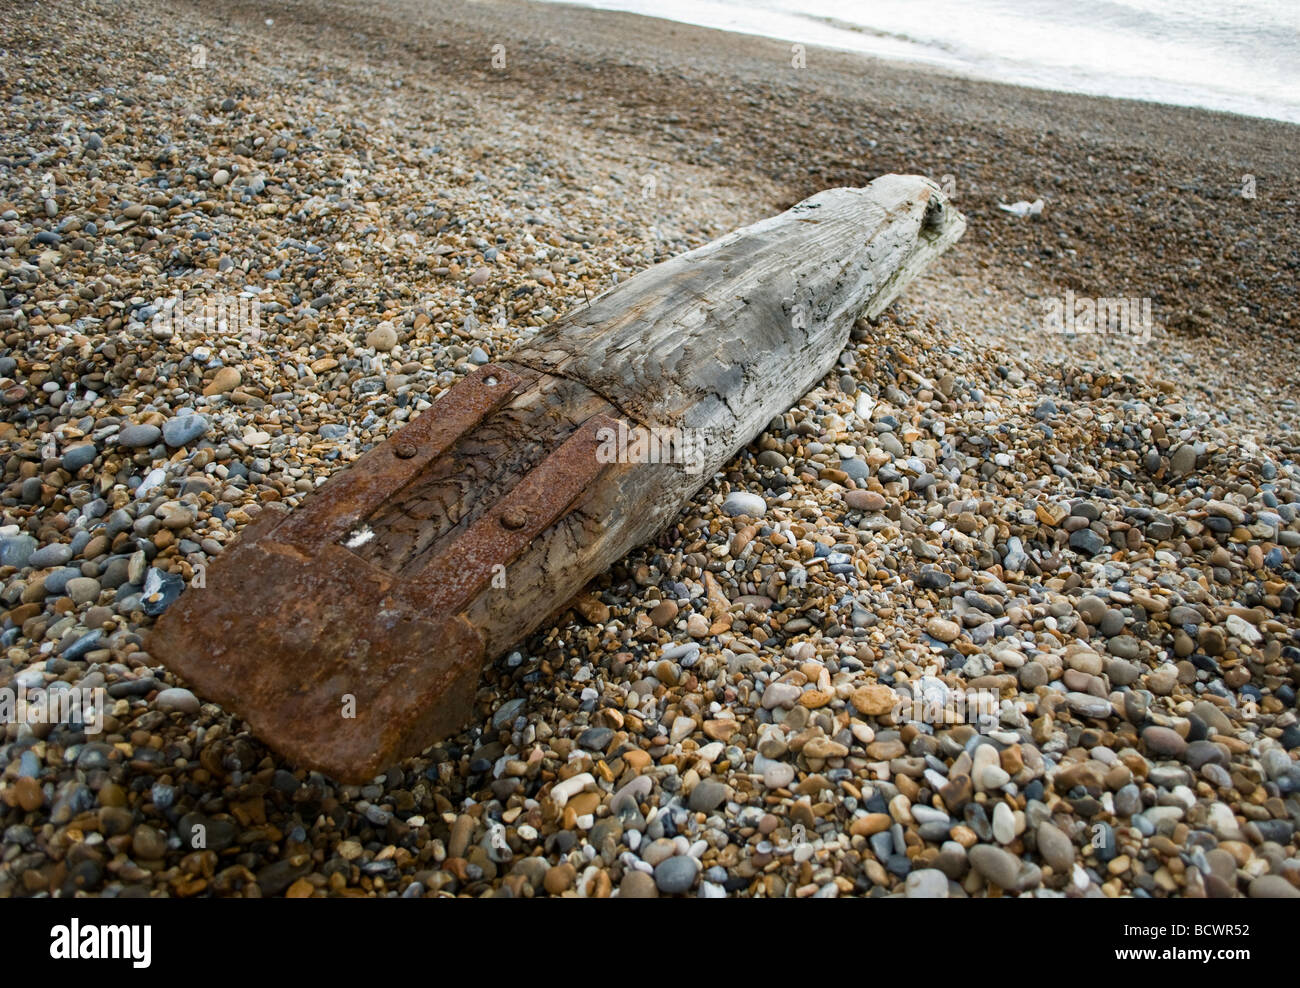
{"x": 377, "y": 587}
{"x": 725, "y": 336}
{"x": 719, "y": 341}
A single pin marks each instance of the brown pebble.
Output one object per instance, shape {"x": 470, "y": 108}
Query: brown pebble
{"x": 874, "y": 699}
{"x": 872, "y": 823}
{"x": 30, "y": 795}
{"x": 637, "y": 885}
{"x": 663, "y": 613}
{"x": 559, "y": 878}
{"x": 147, "y": 843}
{"x": 225, "y": 379}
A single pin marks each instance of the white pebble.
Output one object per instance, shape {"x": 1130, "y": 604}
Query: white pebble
{"x": 1004, "y": 824}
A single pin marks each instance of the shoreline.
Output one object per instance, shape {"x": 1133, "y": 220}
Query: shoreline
{"x": 933, "y": 65}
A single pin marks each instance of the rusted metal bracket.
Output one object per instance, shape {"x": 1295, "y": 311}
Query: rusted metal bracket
{"x": 351, "y": 666}
{"x": 466, "y": 565}
{"x": 349, "y": 499}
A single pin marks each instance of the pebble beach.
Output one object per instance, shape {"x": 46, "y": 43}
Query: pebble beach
{"x": 1095, "y": 537}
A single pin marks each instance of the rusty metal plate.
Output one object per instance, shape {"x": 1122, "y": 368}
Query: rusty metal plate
{"x": 348, "y": 499}
{"x": 333, "y": 676}
{"x": 466, "y": 565}
{"x": 335, "y": 662}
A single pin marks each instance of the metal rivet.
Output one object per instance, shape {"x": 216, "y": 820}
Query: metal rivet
{"x": 514, "y": 518}
{"x": 404, "y": 450}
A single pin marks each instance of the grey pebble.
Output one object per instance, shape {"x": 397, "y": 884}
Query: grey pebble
{"x": 138, "y": 436}
{"x": 926, "y": 883}
{"x": 178, "y": 700}
{"x": 1055, "y": 847}
{"x": 676, "y": 875}
{"x": 184, "y": 429}
{"x": 51, "y": 555}
{"x": 1000, "y": 867}
{"x": 707, "y": 796}
{"x": 76, "y": 457}
{"x": 17, "y": 550}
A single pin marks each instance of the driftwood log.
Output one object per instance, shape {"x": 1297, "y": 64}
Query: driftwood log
{"x": 352, "y": 631}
